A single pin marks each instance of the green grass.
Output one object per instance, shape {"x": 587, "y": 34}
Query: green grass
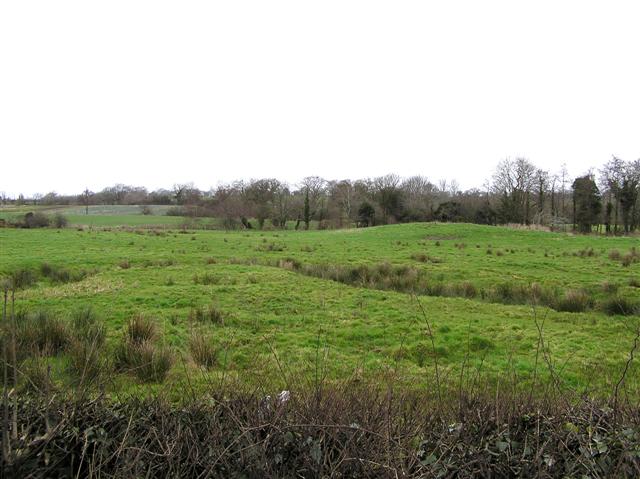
{"x": 111, "y": 216}
{"x": 273, "y": 315}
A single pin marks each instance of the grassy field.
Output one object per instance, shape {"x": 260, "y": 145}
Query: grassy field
{"x": 110, "y": 216}
{"x": 275, "y": 319}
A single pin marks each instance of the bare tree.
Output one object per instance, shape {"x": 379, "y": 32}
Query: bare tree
{"x": 418, "y": 194}
{"x": 314, "y": 189}
{"x": 388, "y": 195}
{"x": 86, "y": 198}
{"x": 611, "y": 179}
{"x": 513, "y": 181}
{"x": 343, "y": 195}
{"x": 542, "y": 185}
{"x": 260, "y": 195}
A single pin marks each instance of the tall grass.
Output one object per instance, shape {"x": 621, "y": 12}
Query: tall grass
{"x": 140, "y": 329}
{"x": 404, "y": 278}
{"x": 574, "y": 301}
{"x": 209, "y": 314}
{"x": 202, "y": 350}
{"x": 138, "y": 351}
{"x": 86, "y": 363}
{"x": 41, "y": 333}
{"x": 620, "y": 306}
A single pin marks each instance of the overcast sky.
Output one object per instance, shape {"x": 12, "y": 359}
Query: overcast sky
{"x": 153, "y": 93}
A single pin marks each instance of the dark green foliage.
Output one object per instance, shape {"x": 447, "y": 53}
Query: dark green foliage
{"x": 587, "y": 204}
{"x": 449, "y": 211}
{"x": 366, "y": 214}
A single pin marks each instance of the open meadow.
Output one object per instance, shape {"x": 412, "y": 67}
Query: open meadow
{"x": 469, "y": 300}
{"x": 414, "y": 350}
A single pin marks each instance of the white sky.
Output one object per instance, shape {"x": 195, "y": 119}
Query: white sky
{"x": 154, "y": 92}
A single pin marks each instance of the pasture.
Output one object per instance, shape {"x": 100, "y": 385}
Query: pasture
{"x": 470, "y": 301}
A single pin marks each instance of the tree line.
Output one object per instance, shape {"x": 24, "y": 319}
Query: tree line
{"x": 518, "y": 192}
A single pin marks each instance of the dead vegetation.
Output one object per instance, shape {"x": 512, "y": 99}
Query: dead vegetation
{"x": 346, "y": 430}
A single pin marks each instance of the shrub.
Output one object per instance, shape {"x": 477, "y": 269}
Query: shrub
{"x": 60, "y": 221}
{"x": 619, "y": 306}
{"x": 36, "y": 220}
{"x": 573, "y": 301}
{"x": 203, "y": 351}
{"x": 176, "y": 211}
